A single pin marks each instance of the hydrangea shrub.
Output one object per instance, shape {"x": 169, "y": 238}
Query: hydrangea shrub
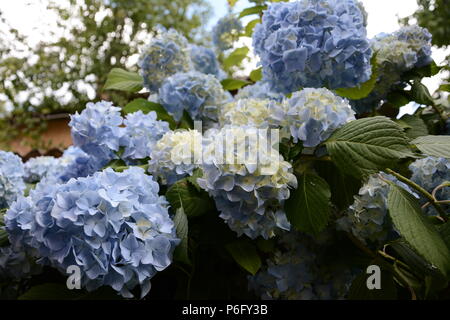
{"x": 284, "y": 182}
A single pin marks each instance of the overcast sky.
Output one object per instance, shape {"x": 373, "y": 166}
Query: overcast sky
{"x": 31, "y": 18}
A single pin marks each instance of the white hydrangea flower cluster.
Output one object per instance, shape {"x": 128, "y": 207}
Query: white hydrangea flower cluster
{"x": 312, "y": 115}
{"x": 248, "y": 112}
{"x": 175, "y": 155}
{"x": 249, "y": 186}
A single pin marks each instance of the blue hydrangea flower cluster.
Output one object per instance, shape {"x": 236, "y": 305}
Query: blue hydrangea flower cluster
{"x": 166, "y": 54}
{"x": 403, "y": 50}
{"x": 176, "y": 155}
{"x": 16, "y": 264}
{"x": 430, "y": 173}
{"x": 205, "y": 60}
{"x": 367, "y": 218}
{"x": 226, "y": 32}
{"x": 406, "y": 48}
{"x": 96, "y": 130}
{"x": 249, "y": 193}
{"x": 74, "y": 163}
{"x": 41, "y": 167}
{"x": 312, "y": 115}
{"x": 259, "y": 90}
{"x": 419, "y": 40}
{"x": 114, "y": 226}
{"x": 199, "y": 94}
{"x": 11, "y": 178}
{"x": 313, "y": 43}
{"x": 142, "y": 131}
{"x": 77, "y": 163}
{"x": 297, "y": 271}
{"x": 363, "y": 12}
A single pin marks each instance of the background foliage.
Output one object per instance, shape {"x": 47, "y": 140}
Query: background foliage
{"x": 97, "y": 36}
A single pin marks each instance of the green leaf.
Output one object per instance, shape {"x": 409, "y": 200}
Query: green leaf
{"x": 232, "y": 3}
{"x": 236, "y": 57}
{"x": 290, "y": 150}
{"x": 186, "y": 121}
{"x": 29, "y": 187}
{"x": 436, "y": 146}
{"x": 444, "y": 231}
{"x": 118, "y": 165}
{"x": 147, "y": 106}
{"x": 256, "y": 75}
{"x": 366, "y": 146}
{"x": 308, "y": 208}
{"x": 420, "y": 94}
{"x": 423, "y": 72}
{"x": 343, "y": 186}
{"x": 416, "y": 229}
{"x": 250, "y": 26}
{"x": 266, "y": 246}
{"x": 417, "y": 264}
{"x": 245, "y": 254}
{"x": 398, "y": 98}
{"x": 413, "y": 126}
{"x": 407, "y": 276}
{"x": 2, "y": 216}
{"x": 50, "y": 291}
{"x": 198, "y": 173}
{"x": 363, "y": 90}
{"x": 444, "y": 87}
{"x": 184, "y": 194}
{"x": 119, "y": 79}
{"x": 181, "y": 224}
{"x": 3, "y": 238}
{"x": 359, "y": 291}
{"x": 233, "y": 84}
{"x": 252, "y": 10}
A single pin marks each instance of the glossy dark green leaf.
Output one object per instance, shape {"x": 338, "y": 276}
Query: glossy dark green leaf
{"x": 308, "y": 208}
{"x": 416, "y": 229}
{"x": 343, "y": 186}
{"x": 366, "y": 146}
{"x": 184, "y": 194}
{"x": 413, "y": 126}
{"x": 245, "y": 254}
{"x": 181, "y": 224}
